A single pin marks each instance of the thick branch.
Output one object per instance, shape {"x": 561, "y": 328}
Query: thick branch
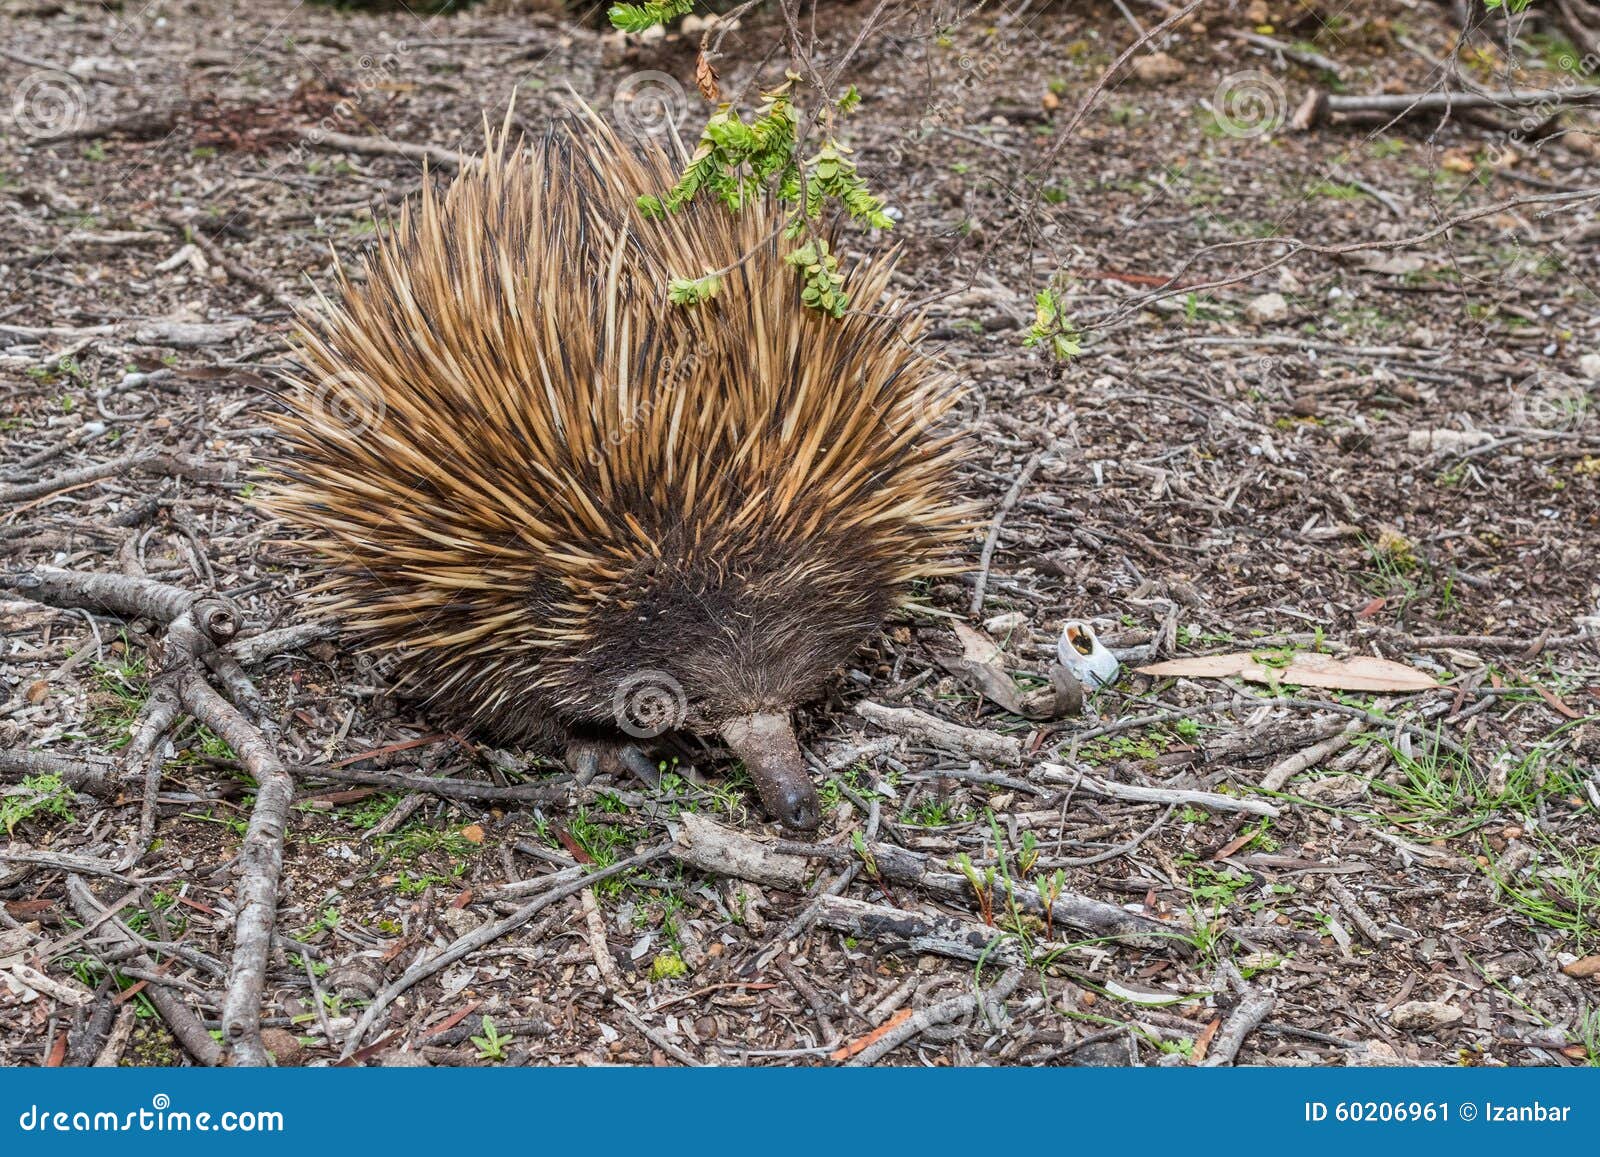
{"x": 260, "y": 865}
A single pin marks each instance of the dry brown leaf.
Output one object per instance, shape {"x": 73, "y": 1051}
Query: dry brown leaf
{"x": 705, "y": 78}
{"x": 982, "y": 665}
{"x": 1357, "y": 673}
{"x": 976, "y": 647}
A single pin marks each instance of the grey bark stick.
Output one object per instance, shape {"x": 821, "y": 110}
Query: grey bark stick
{"x": 178, "y": 1017}
{"x": 1056, "y": 773}
{"x": 379, "y": 147}
{"x": 118, "y": 594}
{"x": 1282, "y": 772}
{"x": 88, "y": 773}
{"x": 942, "y": 1013}
{"x": 479, "y": 937}
{"x": 712, "y": 848}
{"x": 260, "y": 864}
{"x": 1245, "y": 1020}
{"x": 919, "y": 725}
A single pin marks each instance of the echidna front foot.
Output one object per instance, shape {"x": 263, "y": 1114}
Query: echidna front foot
{"x": 587, "y": 757}
{"x": 765, "y": 742}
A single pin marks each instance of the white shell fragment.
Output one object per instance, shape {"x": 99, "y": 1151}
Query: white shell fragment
{"x": 1081, "y": 652}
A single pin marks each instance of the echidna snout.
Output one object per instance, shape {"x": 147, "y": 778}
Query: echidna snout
{"x": 765, "y": 742}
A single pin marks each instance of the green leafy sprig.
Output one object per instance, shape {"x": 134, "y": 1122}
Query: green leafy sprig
{"x": 823, "y": 281}
{"x": 693, "y": 290}
{"x": 638, "y": 18}
{"x": 1052, "y": 328}
{"x": 736, "y": 161}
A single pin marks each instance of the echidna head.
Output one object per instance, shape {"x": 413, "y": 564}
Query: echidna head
{"x": 731, "y": 649}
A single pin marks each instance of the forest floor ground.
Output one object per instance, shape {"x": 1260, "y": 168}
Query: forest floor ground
{"x": 1370, "y": 451}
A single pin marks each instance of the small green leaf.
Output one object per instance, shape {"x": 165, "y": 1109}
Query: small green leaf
{"x": 693, "y": 291}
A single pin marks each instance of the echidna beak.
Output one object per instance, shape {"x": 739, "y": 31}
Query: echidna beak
{"x": 765, "y": 742}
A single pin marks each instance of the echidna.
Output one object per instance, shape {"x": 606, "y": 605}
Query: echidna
{"x": 564, "y": 508}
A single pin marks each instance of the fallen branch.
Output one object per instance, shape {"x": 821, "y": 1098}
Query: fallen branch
{"x": 942, "y": 1013}
{"x": 922, "y": 932}
{"x": 114, "y": 593}
{"x": 1283, "y": 771}
{"x": 1024, "y": 476}
{"x": 1215, "y": 801}
{"x": 94, "y": 774}
{"x": 143, "y": 462}
{"x": 1244, "y": 1020}
{"x": 259, "y": 648}
{"x": 723, "y": 851}
{"x": 444, "y": 788}
{"x": 379, "y": 147}
{"x": 1303, "y": 56}
{"x": 260, "y": 863}
{"x": 1319, "y": 106}
{"x": 183, "y": 1023}
{"x": 921, "y": 727}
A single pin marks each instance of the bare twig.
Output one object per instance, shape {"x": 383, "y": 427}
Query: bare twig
{"x": 1244, "y": 1020}
{"x": 185, "y": 1025}
{"x": 943, "y": 1013}
{"x": 260, "y": 864}
{"x": 487, "y": 934}
{"x": 987, "y": 557}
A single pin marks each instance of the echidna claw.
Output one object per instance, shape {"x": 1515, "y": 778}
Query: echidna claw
{"x": 635, "y": 760}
